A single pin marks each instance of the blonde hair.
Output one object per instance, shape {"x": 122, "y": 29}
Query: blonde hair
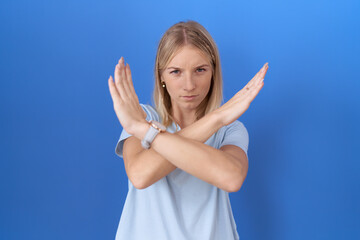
{"x": 177, "y": 36}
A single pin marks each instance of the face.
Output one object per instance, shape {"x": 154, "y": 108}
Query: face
{"x": 188, "y": 78}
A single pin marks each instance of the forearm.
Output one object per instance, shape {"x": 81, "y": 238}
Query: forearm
{"x": 202, "y": 129}
{"x": 169, "y": 151}
{"x": 149, "y": 166}
{"x": 200, "y": 160}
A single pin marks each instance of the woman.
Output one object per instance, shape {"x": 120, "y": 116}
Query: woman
{"x": 184, "y": 156}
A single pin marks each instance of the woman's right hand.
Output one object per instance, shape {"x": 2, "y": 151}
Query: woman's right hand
{"x": 125, "y": 101}
{"x": 240, "y": 102}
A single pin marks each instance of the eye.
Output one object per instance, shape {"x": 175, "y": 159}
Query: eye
{"x": 201, "y": 69}
{"x": 175, "y": 72}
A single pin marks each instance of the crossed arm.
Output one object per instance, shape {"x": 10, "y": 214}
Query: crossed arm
{"x": 225, "y": 168}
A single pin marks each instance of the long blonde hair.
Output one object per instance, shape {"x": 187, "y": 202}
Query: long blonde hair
{"x": 177, "y": 36}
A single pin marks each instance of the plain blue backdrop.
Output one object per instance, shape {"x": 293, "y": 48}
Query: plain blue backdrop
{"x": 59, "y": 175}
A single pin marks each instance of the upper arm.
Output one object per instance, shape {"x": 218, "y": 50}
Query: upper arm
{"x": 235, "y": 134}
{"x": 132, "y": 147}
{"x": 239, "y": 157}
{"x": 234, "y": 143}
{"x": 129, "y": 147}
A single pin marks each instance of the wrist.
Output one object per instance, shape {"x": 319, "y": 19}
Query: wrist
{"x": 154, "y": 129}
{"x": 216, "y": 118}
{"x": 140, "y": 129}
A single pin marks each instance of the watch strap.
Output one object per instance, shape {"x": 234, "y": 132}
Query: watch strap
{"x": 150, "y": 136}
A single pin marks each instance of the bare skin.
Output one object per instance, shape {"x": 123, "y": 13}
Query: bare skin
{"x": 188, "y": 80}
{"x": 225, "y": 168}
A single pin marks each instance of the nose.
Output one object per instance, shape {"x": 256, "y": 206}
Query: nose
{"x": 189, "y": 82}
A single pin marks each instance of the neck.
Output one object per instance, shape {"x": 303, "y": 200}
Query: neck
{"x": 184, "y": 118}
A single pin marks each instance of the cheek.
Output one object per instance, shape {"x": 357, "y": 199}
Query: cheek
{"x": 205, "y": 84}
{"x": 172, "y": 86}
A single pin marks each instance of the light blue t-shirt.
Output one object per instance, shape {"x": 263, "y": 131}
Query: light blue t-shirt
{"x": 180, "y": 206}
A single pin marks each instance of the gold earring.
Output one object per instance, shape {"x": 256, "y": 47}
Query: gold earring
{"x": 163, "y": 84}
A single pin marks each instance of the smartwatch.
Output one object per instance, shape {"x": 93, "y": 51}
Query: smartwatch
{"x": 155, "y": 129}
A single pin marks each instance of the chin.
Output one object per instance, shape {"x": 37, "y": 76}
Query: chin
{"x": 190, "y": 105}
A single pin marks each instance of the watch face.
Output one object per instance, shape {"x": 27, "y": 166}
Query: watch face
{"x": 159, "y": 125}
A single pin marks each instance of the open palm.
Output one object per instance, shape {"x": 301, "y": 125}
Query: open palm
{"x": 125, "y": 101}
{"x": 240, "y": 102}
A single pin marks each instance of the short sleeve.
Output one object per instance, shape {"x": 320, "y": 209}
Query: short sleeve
{"x": 236, "y": 134}
{"x": 151, "y": 114}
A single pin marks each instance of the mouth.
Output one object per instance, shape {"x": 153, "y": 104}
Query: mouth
{"x": 189, "y": 97}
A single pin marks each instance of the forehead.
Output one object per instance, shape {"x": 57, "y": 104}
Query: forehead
{"x": 188, "y": 56}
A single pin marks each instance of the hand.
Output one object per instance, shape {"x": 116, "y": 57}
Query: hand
{"x": 125, "y": 100}
{"x": 240, "y": 102}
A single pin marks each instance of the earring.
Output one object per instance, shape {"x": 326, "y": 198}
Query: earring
{"x": 163, "y": 84}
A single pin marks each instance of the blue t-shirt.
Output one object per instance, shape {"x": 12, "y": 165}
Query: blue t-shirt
{"x": 181, "y": 206}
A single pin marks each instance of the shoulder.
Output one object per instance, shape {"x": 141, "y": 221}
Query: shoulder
{"x": 151, "y": 113}
{"x": 236, "y": 126}
{"x": 234, "y": 134}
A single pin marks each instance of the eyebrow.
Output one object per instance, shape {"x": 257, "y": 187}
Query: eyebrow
{"x": 203, "y": 65}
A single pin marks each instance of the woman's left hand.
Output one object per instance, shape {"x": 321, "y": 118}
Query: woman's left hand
{"x": 240, "y": 102}
{"x": 125, "y": 100}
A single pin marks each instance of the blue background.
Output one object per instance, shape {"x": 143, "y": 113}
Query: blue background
{"x": 59, "y": 175}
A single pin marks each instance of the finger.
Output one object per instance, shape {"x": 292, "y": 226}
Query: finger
{"x": 113, "y": 91}
{"x": 250, "y": 96}
{"x": 264, "y": 71}
{"x": 249, "y": 87}
{"x": 129, "y": 81}
{"x": 125, "y": 89}
{"x": 119, "y": 83}
{"x": 124, "y": 79}
{"x": 127, "y": 86}
{"x": 251, "y": 82}
{"x": 258, "y": 76}
{"x": 117, "y": 73}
